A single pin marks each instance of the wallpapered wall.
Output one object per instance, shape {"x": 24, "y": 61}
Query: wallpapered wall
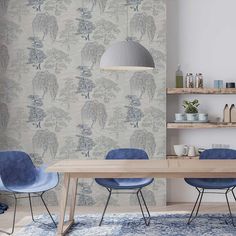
{"x": 55, "y": 103}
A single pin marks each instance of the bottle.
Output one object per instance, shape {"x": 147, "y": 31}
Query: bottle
{"x": 179, "y": 78}
{"x": 226, "y": 114}
{"x": 189, "y": 81}
{"x": 233, "y": 113}
{"x": 199, "y": 80}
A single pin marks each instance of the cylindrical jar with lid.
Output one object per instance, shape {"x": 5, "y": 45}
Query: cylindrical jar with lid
{"x": 189, "y": 81}
{"x": 199, "y": 80}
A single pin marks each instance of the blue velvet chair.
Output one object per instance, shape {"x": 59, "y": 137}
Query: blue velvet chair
{"x": 135, "y": 184}
{"x": 206, "y": 185}
{"x": 19, "y": 176}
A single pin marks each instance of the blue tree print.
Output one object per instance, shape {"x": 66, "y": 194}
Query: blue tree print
{"x": 85, "y": 87}
{"x": 134, "y": 114}
{"x": 85, "y": 143}
{"x": 36, "y": 55}
{"x": 85, "y": 28}
{"x": 85, "y": 71}
{"x": 36, "y": 113}
{"x": 36, "y": 4}
{"x": 134, "y": 4}
{"x": 85, "y": 13}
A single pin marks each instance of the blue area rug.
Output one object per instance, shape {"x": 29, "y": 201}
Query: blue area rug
{"x": 133, "y": 225}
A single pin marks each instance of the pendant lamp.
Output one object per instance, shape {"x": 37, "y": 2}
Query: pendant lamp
{"x": 127, "y": 55}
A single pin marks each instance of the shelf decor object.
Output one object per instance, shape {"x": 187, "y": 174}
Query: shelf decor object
{"x": 218, "y": 84}
{"x": 191, "y": 110}
{"x": 199, "y": 80}
{"x": 226, "y": 114}
{"x": 181, "y": 150}
{"x": 230, "y": 85}
{"x": 127, "y": 55}
{"x": 179, "y": 78}
{"x": 233, "y": 113}
{"x": 189, "y": 80}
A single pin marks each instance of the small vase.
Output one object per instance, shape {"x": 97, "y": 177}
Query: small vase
{"x": 192, "y": 116}
{"x": 180, "y": 117}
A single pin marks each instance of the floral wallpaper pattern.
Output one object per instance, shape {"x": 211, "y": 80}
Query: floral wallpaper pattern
{"x": 55, "y": 103}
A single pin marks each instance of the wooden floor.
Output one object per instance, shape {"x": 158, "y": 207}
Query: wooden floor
{"x": 22, "y": 212}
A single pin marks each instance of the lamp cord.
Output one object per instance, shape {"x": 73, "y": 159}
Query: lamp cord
{"x": 127, "y": 28}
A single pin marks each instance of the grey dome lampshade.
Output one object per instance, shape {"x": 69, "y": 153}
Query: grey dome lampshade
{"x": 127, "y": 55}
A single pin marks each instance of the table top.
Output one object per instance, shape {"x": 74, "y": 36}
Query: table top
{"x": 146, "y": 168}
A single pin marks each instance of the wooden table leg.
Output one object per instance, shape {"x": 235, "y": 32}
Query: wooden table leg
{"x": 74, "y": 184}
{"x": 63, "y": 201}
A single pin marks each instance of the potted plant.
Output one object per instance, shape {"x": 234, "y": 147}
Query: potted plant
{"x": 191, "y": 109}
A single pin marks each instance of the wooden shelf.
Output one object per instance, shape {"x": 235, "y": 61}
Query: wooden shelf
{"x": 211, "y": 125}
{"x": 173, "y": 91}
{"x": 169, "y": 157}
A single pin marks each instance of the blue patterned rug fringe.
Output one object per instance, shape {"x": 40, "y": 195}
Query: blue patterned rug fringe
{"x": 133, "y": 225}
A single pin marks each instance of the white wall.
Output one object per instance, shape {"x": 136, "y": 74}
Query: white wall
{"x": 201, "y": 36}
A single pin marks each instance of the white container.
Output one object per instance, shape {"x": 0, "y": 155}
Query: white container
{"x": 191, "y": 151}
{"x": 180, "y": 117}
{"x": 192, "y": 116}
{"x": 203, "y": 117}
{"x": 181, "y": 150}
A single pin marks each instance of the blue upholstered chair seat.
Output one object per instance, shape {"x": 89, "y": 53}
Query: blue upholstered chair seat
{"x": 202, "y": 184}
{"x": 43, "y": 182}
{"x": 19, "y": 175}
{"x": 212, "y": 183}
{"x": 124, "y": 183}
{"x": 214, "y": 154}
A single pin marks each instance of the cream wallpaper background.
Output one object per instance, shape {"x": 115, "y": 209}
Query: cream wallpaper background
{"x": 55, "y": 103}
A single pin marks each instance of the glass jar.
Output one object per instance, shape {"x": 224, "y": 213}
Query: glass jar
{"x": 199, "y": 80}
{"x": 189, "y": 81}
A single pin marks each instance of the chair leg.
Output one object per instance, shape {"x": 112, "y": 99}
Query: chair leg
{"x": 44, "y": 203}
{"x": 31, "y": 209}
{"x": 14, "y": 218}
{"x": 200, "y": 195}
{"x": 104, "y": 211}
{"x": 233, "y": 194}
{"x": 146, "y": 219}
{"x": 230, "y": 212}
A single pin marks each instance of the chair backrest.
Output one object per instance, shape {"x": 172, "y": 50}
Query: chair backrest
{"x": 16, "y": 169}
{"x": 218, "y": 154}
{"x": 127, "y": 153}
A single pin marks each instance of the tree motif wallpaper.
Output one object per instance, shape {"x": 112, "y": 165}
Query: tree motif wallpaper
{"x": 55, "y": 103}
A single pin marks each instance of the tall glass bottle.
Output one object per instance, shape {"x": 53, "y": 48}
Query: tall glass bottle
{"x": 179, "y": 78}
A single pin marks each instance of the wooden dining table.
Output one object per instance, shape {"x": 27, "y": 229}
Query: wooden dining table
{"x": 72, "y": 170}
